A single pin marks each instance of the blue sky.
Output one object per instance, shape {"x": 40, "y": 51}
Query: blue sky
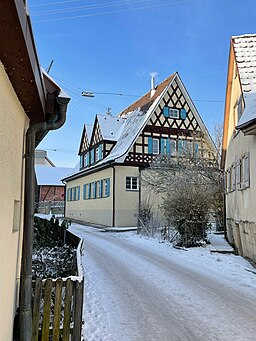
{"x": 113, "y": 45}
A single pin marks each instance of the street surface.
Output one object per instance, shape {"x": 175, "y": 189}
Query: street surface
{"x": 137, "y": 289}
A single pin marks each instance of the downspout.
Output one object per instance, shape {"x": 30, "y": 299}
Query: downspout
{"x": 114, "y": 198}
{"x": 29, "y": 201}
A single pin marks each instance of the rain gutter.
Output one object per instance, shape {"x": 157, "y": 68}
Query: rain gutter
{"x": 61, "y": 102}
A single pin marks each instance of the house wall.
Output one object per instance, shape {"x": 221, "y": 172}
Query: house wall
{"x": 100, "y": 210}
{"x": 51, "y": 193}
{"x": 14, "y": 123}
{"x": 240, "y": 211}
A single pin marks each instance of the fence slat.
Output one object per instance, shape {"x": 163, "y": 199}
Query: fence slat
{"x": 57, "y": 310}
{"x": 36, "y": 309}
{"x": 67, "y": 310}
{"x": 78, "y": 309}
{"x": 47, "y": 309}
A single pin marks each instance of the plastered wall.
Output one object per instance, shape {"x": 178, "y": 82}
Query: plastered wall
{"x": 14, "y": 123}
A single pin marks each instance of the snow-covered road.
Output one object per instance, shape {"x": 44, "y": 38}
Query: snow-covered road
{"x": 140, "y": 289}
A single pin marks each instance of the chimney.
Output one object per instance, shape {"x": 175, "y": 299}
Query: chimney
{"x": 152, "y": 87}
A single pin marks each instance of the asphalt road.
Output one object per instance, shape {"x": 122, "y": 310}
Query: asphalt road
{"x": 145, "y": 295}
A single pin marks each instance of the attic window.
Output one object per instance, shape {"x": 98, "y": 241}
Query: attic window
{"x": 171, "y": 112}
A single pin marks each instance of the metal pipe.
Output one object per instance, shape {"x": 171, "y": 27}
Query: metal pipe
{"x": 29, "y": 203}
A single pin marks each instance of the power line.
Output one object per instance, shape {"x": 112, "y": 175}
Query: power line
{"x": 89, "y": 7}
{"x": 113, "y": 12}
{"x": 54, "y": 3}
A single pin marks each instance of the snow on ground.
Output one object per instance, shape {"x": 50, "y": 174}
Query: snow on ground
{"x": 103, "y": 305}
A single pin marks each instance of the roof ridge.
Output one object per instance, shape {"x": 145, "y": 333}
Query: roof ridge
{"x": 246, "y": 35}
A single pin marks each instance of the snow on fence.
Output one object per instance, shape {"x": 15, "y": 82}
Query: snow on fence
{"x": 45, "y": 207}
{"x": 62, "y": 302}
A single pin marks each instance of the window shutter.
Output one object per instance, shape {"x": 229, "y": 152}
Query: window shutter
{"x": 150, "y": 145}
{"x": 74, "y": 194}
{"x": 108, "y": 187}
{"x": 95, "y": 189}
{"x": 88, "y": 159}
{"x": 81, "y": 161}
{"x": 179, "y": 147}
{"x": 185, "y": 145}
{"x": 89, "y": 190}
{"x": 233, "y": 177}
{"x": 92, "y": 156}
{"x": 238, "y": 174}
{"x": 71, "y": 197}
{"x": 166, "y": 112}
{"x": 100, "y": 188}
{"x": 162, "y": 146}
{"x": 246, "y": 171}
{"x": 196, "y": 148}
{"x": 183, "y": 114}
{"x": 100, "y": 152}
{"x": 168, "y": 147}
{"x": 84, "y": 192}
{"x": 78, "y": 192}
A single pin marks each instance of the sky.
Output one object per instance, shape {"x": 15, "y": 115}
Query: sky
{"x": 112, "y": 46}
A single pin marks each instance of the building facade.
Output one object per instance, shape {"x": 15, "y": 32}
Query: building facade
{"x": 239, "y": 143}
{"x": 24, "y": 96}
{"x": 116, "y": 150}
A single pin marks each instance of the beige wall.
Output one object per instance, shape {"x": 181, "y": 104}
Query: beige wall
{"x": 240, "y": 204}
{"x": 100, "y": 210}
{"x": 14, "y": 123}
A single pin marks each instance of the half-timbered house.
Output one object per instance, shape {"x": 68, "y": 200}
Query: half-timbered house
{"x": 107, "y": 189}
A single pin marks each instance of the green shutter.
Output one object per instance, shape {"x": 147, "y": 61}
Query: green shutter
{"x": 150, "y": 145}
{"x": 183, "y": 114}
{"x": 100, "y": 152}
{"x": 89, "y": 190}
{"x": 162, "y": 146}
{"x": 78, "y": 192}
{"x": 168, "y": 147}
{"x": 84, "y": 192}
{"x": 100, "y": 188}
{"x": 166, "y": 112}
{"x": 108, "y": 187}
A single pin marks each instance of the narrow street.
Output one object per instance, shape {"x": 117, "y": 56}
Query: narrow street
{"x": 144, "y": 290}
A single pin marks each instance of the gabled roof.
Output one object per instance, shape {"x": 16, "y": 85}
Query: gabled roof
{"x": 245, "y": 55}
{"x": 110, "y": 126}
{"x": 51, "y": 176}
{"x": 87, "y": 134}
{"x": 135, "y": 118}
{"x": 147, "y": 100}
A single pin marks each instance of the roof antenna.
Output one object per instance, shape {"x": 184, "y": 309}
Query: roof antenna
{"x": 49, "y": 67}
{"x": 108, "y": 111}
{"x": 152, "y": 85}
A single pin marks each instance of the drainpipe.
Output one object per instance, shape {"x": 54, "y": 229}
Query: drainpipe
{"x": 29, "y": 202}
{"x": 114, "y": 198}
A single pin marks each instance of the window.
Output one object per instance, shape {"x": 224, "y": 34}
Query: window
{"x": 171, "y": 112}
{"x": 81, "y": 161}
{"x": 173, "y": 146}
{"x": 107, "y": 187}
{"x": 97, "y": 154}
{"x": 155, "y": 146}
{"x": 132, "y": 183}
{"x": 84, "y": 192}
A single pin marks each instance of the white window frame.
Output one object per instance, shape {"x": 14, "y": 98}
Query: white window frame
{"x": 155, "y": 146}
{"x": 97, "y": 154}
{"x": 132, "y": 183}
{"x": 173, "y": 113}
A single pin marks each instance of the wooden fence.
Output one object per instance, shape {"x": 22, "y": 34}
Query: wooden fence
{"x": 57, "y": 309}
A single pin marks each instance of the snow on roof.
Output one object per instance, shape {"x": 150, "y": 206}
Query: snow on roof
{"x": 249, "y": 114}
{"x": 110, "y": 126}
{"x": 245, "y": 54}
{"x": 51, "y": 175}
{"x": 133, "y": 124}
